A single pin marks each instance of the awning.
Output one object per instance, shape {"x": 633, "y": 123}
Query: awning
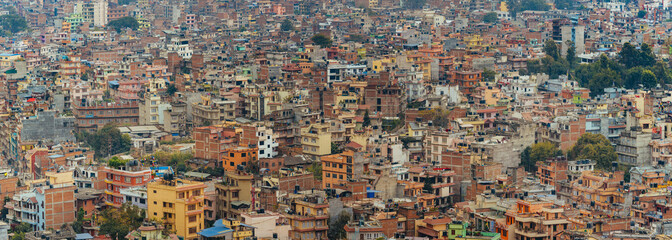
{"x": 215, "y": 231}
{"x": 82, "y": 236}
{"x": 197, "y": 174}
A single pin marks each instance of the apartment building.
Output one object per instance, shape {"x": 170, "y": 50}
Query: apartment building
{"x": 179, "y": 203}
{"x": 316, "y": 140}
{"x": 48, "y": 204}
{"x": 262, "y": 137}
{"x": 233, "y": 157}
{"x": 211, "y": 142}
{"x": 534, "y": 219}
{"x": 93, "y": 116}
{"x": 308, "y": 218}
{"x": 117, "y": 179}
{"x": 234, "y": 194}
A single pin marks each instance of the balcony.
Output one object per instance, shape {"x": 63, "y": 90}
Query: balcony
{"x": 531, "y": 233}
{"x": 242, "y": 234}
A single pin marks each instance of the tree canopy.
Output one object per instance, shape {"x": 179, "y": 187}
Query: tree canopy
{"x": 490, "y": 17}
{"x": 538, "y": 152}
{"x": 595, "y": 147}
{"x": 117, "y": 223}
{"x": 414, "y": 4}
{"x": 517, "y": 6}
{"x": 336, "y": 227}
{"x": 321, "y": 40}
{"x": 287, "y": 25}
{"x": 11, "y": 24}
{"x": 124, "y": 23}
{"x": 106, "y": 141}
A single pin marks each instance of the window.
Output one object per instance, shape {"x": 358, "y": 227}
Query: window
{"x": 192, "y": 230}
{"x": 243, "y": 154}
{"x": 231, "y": 163}
{"x": 192, "y": 219}
{"x": 234, "y": 194}
{"x": 127, "y": 179}
{"x": 232, "y": 155}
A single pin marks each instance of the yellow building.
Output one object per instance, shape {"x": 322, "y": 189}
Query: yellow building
{"x": 308, "y": 218}
{"x": 316, "y": 140}
{"x": 240, "y": 231}
{"x": 179, "y": 204}
{"x": 6, "y": 59}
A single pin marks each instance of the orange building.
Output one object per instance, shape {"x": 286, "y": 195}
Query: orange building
{"x": 117, "y": 179}
{"x": 337, "y": 168}
{"x": 532, "y": 219}
{"x": 238, "y": 156}
{"x": 467, "y": 81}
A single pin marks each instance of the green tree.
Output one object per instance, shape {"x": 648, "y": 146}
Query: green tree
{"x": 490, "y": 17}
{"x": 11, "y": 24}
{"x": 595, "y": 147}
{"x": 78, "y": 225}
{"x": 628, "y": 55}
{"x": 335, "y": 148}
{"x": 367, "y": 119}
{"x": 414, "y": 4}
{"x": 123, "y": 23}
{"x": 489, "y": 75}
{"x": 116, "y": 162}
{"x": 117, "y": 223}
{"x": 551, "y": 49}
{"x": 517, "y": 6}
{"x": 321, "y": 40}
{"x": 316, "y": 169}
{"x": 171, "y": 89}
{"x": 427, "y": 187}
{"x": 106, "y": 141}
{"x": 336, "y": 227}
{"x": 287, "y": 25}
{"x": 538, "y": 152}
{"x": 641, "y": 14}
{"x": 571, "y": 58}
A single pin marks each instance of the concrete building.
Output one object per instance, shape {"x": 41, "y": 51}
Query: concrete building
{"x": 234, "y": 195}
{"x": 262, "y": 137}
{"x": 179, "y": 203}
{"x": 632, "y": 148}
{"x": 316, "y": 140}
{"x": 93, "y": 117}
{"x": 308, "y": 218}
{"x": 136, "y": 196}
{"x": 49, "y": 204}
{"x": 48, "y": 127}
{"x": 121, "y": 178}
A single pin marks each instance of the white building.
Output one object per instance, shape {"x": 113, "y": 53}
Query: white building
{"x": 339, "y": 72}
{"x": 181, "y": 47}
{"x": 136, "y": 196}
{"x": 267, "y": 144}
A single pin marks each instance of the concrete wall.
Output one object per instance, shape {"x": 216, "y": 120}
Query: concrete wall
{"x": 48, "y": 127}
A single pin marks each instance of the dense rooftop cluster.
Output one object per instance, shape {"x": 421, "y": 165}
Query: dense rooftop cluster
{"x": 328, "y": 119}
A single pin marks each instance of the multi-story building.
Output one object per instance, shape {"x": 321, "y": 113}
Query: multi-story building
{"x": 211, "y": 142}
{"x": 234, "y": 194}
{"x": 175, "y": 119}
{"x": 95, "y": 12}
{"x": 308, "y": 218}
{"x": 121, "y": 178}
{"x": 233, "y": 157}
{"x": 179, "y": 203}
{"x": 92, "y": 117}
{"x": 337, "y": 168}
{"x": 136, "y": 196}
{"x": 552, "y": 170}
{"x": 632, "y": 147}
{"x": 576, "y": 168}
{"x": 534, "y": 219}
{"x": 49, "y": 204}
{"x": 598, "y": 190}
{"x": 150, "y": 111}
{"x": 563, "y": 131}
{"x": 214, "y": 111}
{"x": 262, "y": 137}
{"x": 316, "y": 140}
{"x": 467, "y": 81}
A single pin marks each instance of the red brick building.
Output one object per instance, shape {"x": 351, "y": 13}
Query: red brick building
{"x": 211, "y": 142}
